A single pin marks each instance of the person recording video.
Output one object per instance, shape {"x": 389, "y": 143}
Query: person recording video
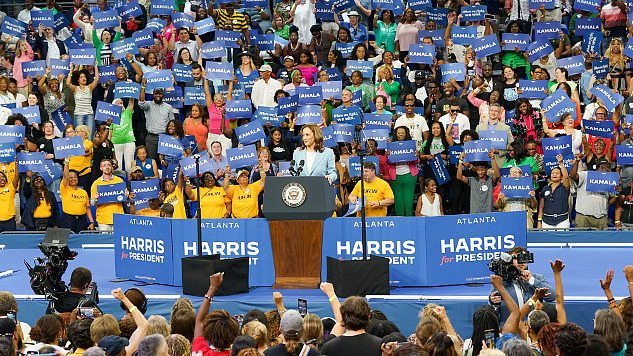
{"x": 75, "y": 297}
{"x": 522, "y": 287}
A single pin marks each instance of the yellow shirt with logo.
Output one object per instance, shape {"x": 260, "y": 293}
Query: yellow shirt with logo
{"x": 43, "y": 210}
{"x": 245, "y": 203}
{"x": 7, "y": 208}
{"x": 79, "y": 163}
{"x": 74, "y": 201}
{"x": 213, "y": 202}
{"x": 106, "y": 211}
{"x": 149, "y": 212}
{"x": 378, "y": 190}
{"x": 177, "y": 200}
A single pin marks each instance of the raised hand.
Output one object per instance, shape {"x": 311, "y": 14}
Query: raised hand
{"x": 606, "y": 284}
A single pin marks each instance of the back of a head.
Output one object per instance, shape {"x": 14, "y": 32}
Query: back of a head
{"x": 273, "y": 318}
{"x": 428, "y": 310}
{"x": 484, "y": 318}
{"x": 180, "y": 304}
{"x": 536, "y": 320}
{"x": 220, "y": 329}
{"x": 312, "y": 329}
{"x": 7, "y": 326}
{"x": 257, "y": 331}
{"x": 178, "y": 345}
{"x": 79, "y": 333}
{"x": 410, "y": 349}
{"x": 550, "y": 310}
{"x": 7, "y": 348}
{"x": 242, "y": 342}
{"x": 103, "y": 326}
{"x": 546, "y": 337}
{"x": 427, "y": 327}
{"x": 248, "y": 352}
{"x": 7, "y": 303}
{"x": 596, "y": 346}
{"x": 94, "y": 351}
{"x": 626, "y": 309}
{"x": 127, "y": 326}
{"x": 183, "y": 322}
{"x": 440, "y": 344}
{"x": 381, "y": 328}
{"x": 152, "y": 345}
{"x": 491, "y": 352}
{"x": 255, "y": 314}
{"x": 355, "y": 313}
{"x": 137, "y": 297}
{"x": 80, "y": 278}
{"x": 609, "y": 325}
{"x": 46, "y": 329}
{"x": 571, "y": 340}
{"x": 517, "y": 347}
{"x": 393, "y": 337}
{"x": 158, "y": 325}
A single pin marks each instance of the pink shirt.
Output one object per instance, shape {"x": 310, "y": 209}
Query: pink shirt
{"x": 17, "y": 66}
{"x": 308, "y": 74}
{"x": 215, "y": 120}
{"x": 407, "y": 34}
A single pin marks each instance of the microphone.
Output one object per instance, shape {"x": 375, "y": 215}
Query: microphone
{"x": 292, "y": 169}
{"x": 301, "y": 163}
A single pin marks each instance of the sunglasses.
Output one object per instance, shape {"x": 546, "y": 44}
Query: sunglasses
{"x": 453, "y": 110}
{"x": 409, "y": 105}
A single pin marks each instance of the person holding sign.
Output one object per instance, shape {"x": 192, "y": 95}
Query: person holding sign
{"x": 41, "y": 210}
{"x": 174, "y": 129}
{"x": 481, "y": 186}
{"x": 454, "y": 119}
{"x": 7, "y": 198}
{"x": 317, "y": 159}
{"x": 526, "y": 123}
{"x": 403, "y": 176}
{"x": 102, "y": 44}
{"x": 243, "y": 195}
{"x": 75, "y": 203}
{"x": 23, "y": 53}
{"x": 599, "y": 152}
{"x": 197, "y": 125}
{"x": 217, "y": 110}
{"x": 82, "y": 91}
{"x": 105, "y": 211}
{"x": 122, "y": 135}
{"x": 553, "y": 209}
{"x": 567, "y": 121}
{"x": 147, "y": 165}
{"x": 386, "y": 85}
{"x": 48, "y": 46}
{"x": 172, "y": 193}
{"x": 214, "y": 202}
{"x": 81, "y": 164}
{"x": 528, "y": 205}
{"x": 52, "y": 96}
{"x": 377, "y": 192}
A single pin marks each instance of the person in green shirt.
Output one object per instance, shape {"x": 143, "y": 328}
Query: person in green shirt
{"x": 518, "y": 156}
{"x": 515, "y": 58}
{"x": 357, "y": 84}
{"x": 123, "y": 134}
{"x": 102, "y": 45}
{"x": 385, "y": 30}
{"x": 279, "y": 28}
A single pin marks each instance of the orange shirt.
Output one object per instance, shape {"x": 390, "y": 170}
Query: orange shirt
{"x": 198, "y": 130}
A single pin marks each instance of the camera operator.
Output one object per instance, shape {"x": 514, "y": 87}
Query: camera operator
{"x": 522, "y": 288}
{"x": 75, "y": 297}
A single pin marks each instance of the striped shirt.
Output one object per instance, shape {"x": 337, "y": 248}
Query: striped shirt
{"x": 237, "y": 19}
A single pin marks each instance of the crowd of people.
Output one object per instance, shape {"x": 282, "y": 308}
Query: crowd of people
{"x": 361, "y": 54}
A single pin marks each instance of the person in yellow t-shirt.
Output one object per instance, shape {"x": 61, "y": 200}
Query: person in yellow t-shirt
{"x": 81, "y": 164}
{"x": 243, "y": 195}
{"x": 214, "y": 202}
{"x": 75, "y": 203}
{"x": 41, "y": 210}
{"x": 153, "y": 210}
{"x": 378, "y": 192}
{"x": 173, "y": 194}
{"x": 8, "y": 188}
{"x": 105, "y": 211}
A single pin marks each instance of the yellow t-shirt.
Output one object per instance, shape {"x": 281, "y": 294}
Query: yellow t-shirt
{"x": 9, "y": 170}
{"x": 378, "y": 190}
{"x": 245, "y": 200}
{"x": 149, "y": 212}
{"x": 7, "y": 208}
{"x": 105, "y": 211}
{"x": 74, "y": 201}
{"x": 43, "y": 210}
{"x": 79, "y": 163}
{"x": 214, "y": 201}
{"x": 177, "y": 200}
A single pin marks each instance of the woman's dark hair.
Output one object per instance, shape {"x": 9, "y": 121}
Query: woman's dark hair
{"x": 344, "y": 29}
{"x": 354, "y": 56}
{"x": 255, "y": 314}
{"x": 407, "y": 134}
{"x": 293, "y": 29}
{"x": 46, "y": 329}
{"x": 565, "y": 87}
{"x": 484, "y": 318}
{"x": 340, "y": 61}
{"x": 521, "y": 101}
{"x": 471, "y": 133}
{"x": 242, "y": 342}
{"x": 184, "y": 320}
{"x": 440, "y": 344}
{"x": 513, "y": 71}
{"x": 146, "y": 58}
{"x": 180, "y": 132}
{"x": 519, "y": 151}
{"x": 280, "y": 91}
{"x": 426, "y": 148}
{"x": 40, "y": 100}
{"x": 79, "y": 333}
{"x": 596, "y": 346}
{"x": 209, "y": 174}
{"x": 307, "y": 53}
{"x": 37, "y": 192}
{"x": 220, "y": 329}
{"x": 391, "y": 17}
{"x": 76, "y": 74}
{"x": 511, "y": 23}
{"x": 17, "y": 117}
{"x": 381, "y": 328}
{"x": 395, "y": 336}
{"x": 564, "y": 71}
{"x": 571, "y": 340}
{"x": 179, "y": 59}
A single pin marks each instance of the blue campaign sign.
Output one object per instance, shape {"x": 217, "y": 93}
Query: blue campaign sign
{"x": 548, "y": 4}
{"x": 50, "y": 172}
{"x": 603, "y": 129}
{"x": 519, "y": 40}
{"x": 324, "y": 12}
{"x": 13, "y": 27}
{"x": 453, "y": 70}
{"x": 158, "y": 79}
{"x": 230, "y": 238}
{"x": 351, "y": 115}
{"x": 219, "y": 70}
{"x": 61, "y": 117}
{"x": 205, "y": 26}
{"x": 31, "y": 113}
{"x": 268, "y": 114}
{"x": 628, "y": 49}
{"x": 525, "y": 168}
{"x": 328, "y": 136}
{"x": 188, "y": 164}
{"x": 195, "y": 95}
{"x": 477, "y": 151}
{"x": 74, "y": 40}
{"x": 238, "y": 109}
{"x": 145, "y": 189}
{"x": 287, "y": 105}
{"x": 546, "y": 30}
{"x": 587, "y": 5}
{"x": 60, "y": 21}
{"x": 516, "y": 187}
{"x": 439, "y": 169}
{"x": 421, "y": 5}
{"x": 162, "y": 7}
{"x": 498, "y": 139}
{"x": 455, "y": 151}
{"x": 602, "y": 182}
{"x": 600, "y": 68}
{"x": 557, "y": 103}
{"x": 533, "y": 89}
{"x": 107, "y": 111}
{"x": 266, "y": 42}
{"x": 240, "y": 157}
{"x": 309, "y": 95}
{"x": 130, "y": 9}
{"x": 591, "y": 42}
{"x": 124, "y": 46}
{"x": 401, "y": 151}
{"x": 377, "y": 121}
{"x": 144, "y": 37}
{"x": 340, "y": 5}
{"x": 172, "y": 97}
{"x": 181, "y": 19}
{"x": 189, "y": 143}
{"x": 439, "y": 15}
{"x": 33, "y": 68}
{"x": 280, "y": 41}
{"x": 284, "y": 168}
{"x": 213, "y": 49}
{"x": 105, "y": 19}
{"x": 574, "y": 65}
{"x": 486, "y": 46}
{"x": 539, "y": 49}
{"x": 584, "y": 26}
{"x": 330, "y": 89}
{"x": 553, "y": 146}
{"x": 354, "y": 164}
{"x": 345, "y": 48}
{"x": 230, "y": 38}
{"x": 143, "y": 247}
{"x": 628, "y": 118}
{"x": 607, "y": 96}
{"x": 253, "y": 3}
{"x": 44, "y": 17}
{"x": 333, "y": 74}
{"x": 7, "y": 152}
{"x": 343, "y": 132}
{"x": 250, "y": 132}
{"x": 473, "y": 13}
{"x": 309, "y": 114}
{"x": 83, "y": 56}
{"x": 365, "y": 67}
{"x": 436, "y": 35}
{"x": 378, "y": 135}
{"x": 421, "y": 53}
{"x": 172, "y": 171}
{"x": 463, "y": 35}
{"x": 156, "y": 24}
{"x": 61, "y": 66}
{"x": 550, "y": 163}
{"x": 181, "y": 72}
{"x": 169, "y": 146}
{"x": 66, "y": 147}
{"x": 31, "y": 161}
{"x": 624, "y": 154}
{"x": 127, "y": 90}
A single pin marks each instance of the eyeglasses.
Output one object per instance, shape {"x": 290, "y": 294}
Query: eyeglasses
{"x": 409, "y": 105}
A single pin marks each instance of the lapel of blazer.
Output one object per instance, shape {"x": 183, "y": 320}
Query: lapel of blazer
{"x": 319, "y": 156}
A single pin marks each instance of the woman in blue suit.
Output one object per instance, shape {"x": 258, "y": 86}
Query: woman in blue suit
{"x": 318, "y": 160}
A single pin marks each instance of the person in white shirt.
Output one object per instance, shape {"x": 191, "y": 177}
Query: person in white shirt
{"x": 184, "y": 41}
{"x": 25, "y": 14}
{"x": 264, "y": 88}
{"x": 416, "y": 124}
{"x": 455, "y": 118}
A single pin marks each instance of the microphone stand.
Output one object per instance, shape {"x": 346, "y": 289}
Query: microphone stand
{"x": 363, "y": 230}
{"x": 199, "y": 211}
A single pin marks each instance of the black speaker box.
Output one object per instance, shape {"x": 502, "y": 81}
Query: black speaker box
{"x": 197, "y": 270}
{"x": 359, "y": 277}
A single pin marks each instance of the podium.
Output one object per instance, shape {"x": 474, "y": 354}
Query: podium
{"x": 295, "y": 208}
